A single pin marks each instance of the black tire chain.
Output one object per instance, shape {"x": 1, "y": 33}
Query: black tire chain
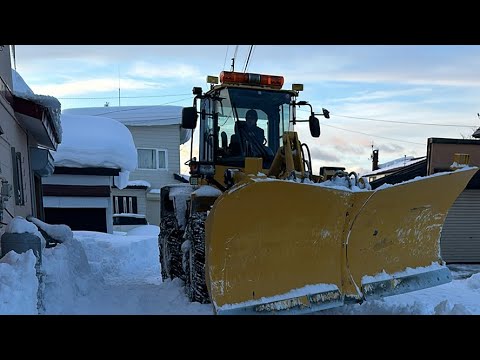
{"x": 169, "y": 244}
{"x": 195, "y": 286}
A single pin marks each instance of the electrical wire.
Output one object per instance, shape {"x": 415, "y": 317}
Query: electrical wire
{"x": 248, "y": 59}
{"x": 225, "y": 61}
{"x": 171, "y": 102}
{"x": 402, "y": 122}
{"x": 395, "y": 121}
{"x": 115, "y": 97}
{"x": 376, "y": 136}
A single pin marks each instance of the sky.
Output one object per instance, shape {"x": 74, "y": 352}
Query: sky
{"x": 93, "y": 273}
{"x": 370, "y": 91}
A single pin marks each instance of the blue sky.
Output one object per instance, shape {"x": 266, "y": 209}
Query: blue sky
{"x": 418, "y": 84}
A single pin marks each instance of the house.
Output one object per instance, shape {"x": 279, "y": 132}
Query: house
{"x": 460, "y": 238}
{"x": 405, "y": 164}
{"x": 96, "y": 153}
{"x": 157, "y": 134}
{"x": 29, "y": 128}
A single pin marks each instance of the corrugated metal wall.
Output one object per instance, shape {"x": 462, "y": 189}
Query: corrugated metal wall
{"x": 460, "y": 240}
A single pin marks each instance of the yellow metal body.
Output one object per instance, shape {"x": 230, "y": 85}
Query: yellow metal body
{"x": 266, "y": 237}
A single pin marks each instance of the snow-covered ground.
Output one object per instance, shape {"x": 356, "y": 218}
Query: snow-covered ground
{"x": 97, "y": 273}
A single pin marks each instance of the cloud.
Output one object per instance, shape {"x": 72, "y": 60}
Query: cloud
{"x": 150, "y": 70}
{"x": 322, "y": 155}
{"x": 90, "y": 86}
{"x": 391, "y": 148}
{"x": 385, "y": 94}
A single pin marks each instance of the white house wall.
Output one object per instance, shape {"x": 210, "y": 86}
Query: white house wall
{"x": 13, "y": 135}
{"x": 158, "y": 137}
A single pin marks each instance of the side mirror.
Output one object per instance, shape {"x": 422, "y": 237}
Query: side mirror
{"x": 189, "y": 117}
{"x": 326, "y": 113}
{"x": 314, "y": 126}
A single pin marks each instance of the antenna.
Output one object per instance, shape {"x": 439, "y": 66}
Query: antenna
{"x": 118, "y": 67}
{"x": 14, "y": 58}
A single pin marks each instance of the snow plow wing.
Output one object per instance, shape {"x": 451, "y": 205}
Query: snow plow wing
{"x": 273, "y": 245}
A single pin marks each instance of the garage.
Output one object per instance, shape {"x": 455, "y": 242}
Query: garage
{"x": 91, "y": 219}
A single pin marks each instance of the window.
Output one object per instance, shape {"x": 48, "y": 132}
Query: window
{"x": 125, "y": 204}
{"x": 152, "y": 159}
{"x": 17, "y": 177}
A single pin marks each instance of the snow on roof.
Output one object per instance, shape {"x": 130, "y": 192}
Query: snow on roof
{"x": 95, "y": 141}
{"x": 22, "y": 90}
{"x": 138, "y": 116}
{"x": 395, "y": 164}
{"x": 139, "y": 183}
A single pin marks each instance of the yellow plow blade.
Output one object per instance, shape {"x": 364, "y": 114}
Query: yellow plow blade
{"x": 275, "y": 245}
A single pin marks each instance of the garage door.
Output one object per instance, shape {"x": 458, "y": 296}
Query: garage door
{"x": 91, "y": 219}
{"x": 460, "y": 240}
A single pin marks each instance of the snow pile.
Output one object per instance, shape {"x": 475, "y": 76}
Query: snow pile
{"x": 144, "y": 230}
{"x": 95, "y": 141}
{"x": 139, "y": 183}
{"x": 179, "y": 194}
{"x": 22, "y": 90}
{"x": 446, "y": 308}
{"x": 68, "y": 277}
{"x": 156, "y": 115}
{"x": 120, "y": 256}
{"x": 207, "y": 190}
{"x": 58, "y": 232}
{"x": 18, "y": 284}
{"x": 19, "y": 225}
{"x": 378, "y": 307}
{"x": 473, "y": 282}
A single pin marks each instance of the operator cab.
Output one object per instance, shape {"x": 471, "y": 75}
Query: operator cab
{"x": 245, "y": 116}
{"x": 226, "y": 137}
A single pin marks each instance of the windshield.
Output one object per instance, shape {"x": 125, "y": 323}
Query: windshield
{"x": 270, "y": 109}
{"x": 250, "y": 123}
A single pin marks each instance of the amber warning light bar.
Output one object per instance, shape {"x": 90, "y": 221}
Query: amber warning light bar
{"x": 271, "y": 81}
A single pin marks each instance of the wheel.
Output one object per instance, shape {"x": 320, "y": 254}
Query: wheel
{"x": 169, "y": 243}
{"x": 194, "y": 259}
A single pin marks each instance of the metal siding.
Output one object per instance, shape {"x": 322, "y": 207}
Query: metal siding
{"x": 158, "y": 137}
{"x": 460, "y": 239}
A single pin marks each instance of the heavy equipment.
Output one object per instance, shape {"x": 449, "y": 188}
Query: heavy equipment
{"x": 256, "y": 231}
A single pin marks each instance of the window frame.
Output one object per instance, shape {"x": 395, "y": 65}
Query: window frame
{"x": 157, "y": 150}
{"x": 18, "y": 181}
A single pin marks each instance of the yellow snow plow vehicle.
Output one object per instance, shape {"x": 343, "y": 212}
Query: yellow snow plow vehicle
{"x": 257, "y": 232}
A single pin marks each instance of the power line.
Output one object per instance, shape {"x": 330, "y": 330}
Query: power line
{"x": 225, "y": 61}
{"x": 171, "y": 102}
{"x": 115, "y": 97}
{"x": 375, "y": 136}
{"x": 402, "y": 122}
{"x": 248, "y": 59}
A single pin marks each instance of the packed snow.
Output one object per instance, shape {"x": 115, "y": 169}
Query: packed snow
{"x": 156, "y": 115}
{"x": 139, "y": 183}
{"x": 53, "y": 106}
{"x": 99, "y": 273}
{"x": 94, "y": 141}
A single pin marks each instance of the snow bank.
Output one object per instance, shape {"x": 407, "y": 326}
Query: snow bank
{"x": 144, "y": 230}
{"x": 473, "y": 282}
{"x": 68, "y": 277}
{"x": 59, "y": 232}
{"x": 120, "y": 256}
{"x": 207, "y": 190}
{"x": 18, "y": 284}
{"x": 19, "y": 225}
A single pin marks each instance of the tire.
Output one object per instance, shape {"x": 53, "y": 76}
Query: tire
{"x": 169, "y": 243}
{"x": 195, "y": 286}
